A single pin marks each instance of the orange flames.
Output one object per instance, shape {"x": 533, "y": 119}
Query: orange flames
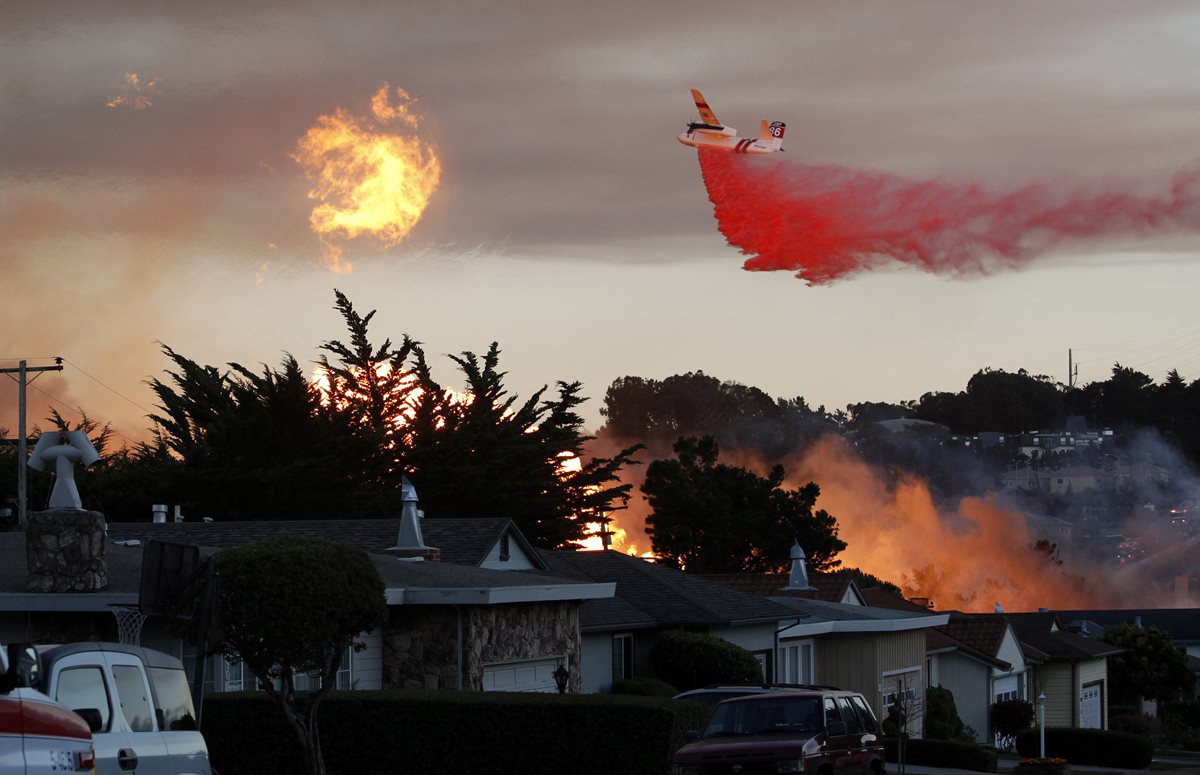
{"x": 368, "y": 179}
{"x": 136, "y": 96}
{"x": 968, "y": 560}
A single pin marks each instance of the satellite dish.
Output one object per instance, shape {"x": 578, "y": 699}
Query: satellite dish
{"x": 63, "y": 450}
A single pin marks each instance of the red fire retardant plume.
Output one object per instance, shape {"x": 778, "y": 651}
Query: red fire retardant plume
{"x": 824, "y": 221}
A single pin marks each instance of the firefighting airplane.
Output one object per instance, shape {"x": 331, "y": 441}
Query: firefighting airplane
{"x": 710, "y": 133}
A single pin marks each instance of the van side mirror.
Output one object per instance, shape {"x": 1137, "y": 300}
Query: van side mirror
{"x": 93, "y": 718}
{"x": 24, "y": 667}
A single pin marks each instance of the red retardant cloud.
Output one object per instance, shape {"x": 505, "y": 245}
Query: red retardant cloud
{"x": 825, "y": 221}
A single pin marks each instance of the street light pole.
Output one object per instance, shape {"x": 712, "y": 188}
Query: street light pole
{"x": 1041, "y": 703}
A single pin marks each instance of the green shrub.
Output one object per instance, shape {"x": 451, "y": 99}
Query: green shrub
{"x": 941, "y": 715}
{"x": 691, "y": 660}
{"x": 1089, "y": 746}
{"x": 1009, "y": 717}
{"x": 1183, "y": 714}
{"x": 418, "y": 731}
{"x": 644, "y": 687}
{"x": 954, "y": 754}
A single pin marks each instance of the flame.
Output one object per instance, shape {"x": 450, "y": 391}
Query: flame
{"x": 134, "y": 98}
{"x": 368, "y": 179}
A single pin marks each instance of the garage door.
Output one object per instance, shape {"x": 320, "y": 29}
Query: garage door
{"x": 1090, "y": 716}
{"x": 536, "y": 675}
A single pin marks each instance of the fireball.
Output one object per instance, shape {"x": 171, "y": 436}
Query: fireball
{"x": 370, "y": 176}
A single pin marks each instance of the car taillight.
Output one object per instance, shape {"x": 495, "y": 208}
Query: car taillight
{"x": 85, "y": 761}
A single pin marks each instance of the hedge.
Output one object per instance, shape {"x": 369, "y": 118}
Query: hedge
{"x": 644, "y": 686}
{"x": 955, "y": 754}
{"x": 414, "y": 732}
{"x": 1101, "y": 747}
{"x": 692, "y": 660}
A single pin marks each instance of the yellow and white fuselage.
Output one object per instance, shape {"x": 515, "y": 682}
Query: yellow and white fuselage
{"x": 711, "y": 133}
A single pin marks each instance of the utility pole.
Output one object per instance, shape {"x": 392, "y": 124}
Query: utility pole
{"x": 1072, "y": 369}
{"x": 22, "y": 372}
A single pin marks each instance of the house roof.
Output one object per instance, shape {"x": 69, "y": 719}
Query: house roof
{"x": 461, "y": 541}
{"x": 978, "y": 635}
{"x": 406, "y": 582}
{"x": 881, "y": 597}
{"x": 938, "y": 640}
{"x": 651, "y": 595}
{"x": 831, "y": 587}
{"x": 1042, "y": 638}
{"x": 1182, "y": 624}
{"x": 823, "y": 617}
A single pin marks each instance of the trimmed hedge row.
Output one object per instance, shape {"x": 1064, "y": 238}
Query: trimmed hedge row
{"x": 1101, "y": 747}
{"x": 479, "y": 732}
{"x": 955, "y": 754}
{"x": 691, "y": 660}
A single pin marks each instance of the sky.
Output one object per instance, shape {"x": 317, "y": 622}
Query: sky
{"x": 150, "y": 190}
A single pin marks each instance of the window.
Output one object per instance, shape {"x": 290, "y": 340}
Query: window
{"x": 864, "y": 712}
{"x": 83, "y": 687}
{"x": 899, "y": 688}
{"x": 132, "y": 695}
{"x": 174, "y": 698}
{"x": 797, "y": 663}
{"x": 504, "y": 548}
{"x": 831, "y": 712}
{"x": 853, "y": 725}
{"x": 622, "y": 666}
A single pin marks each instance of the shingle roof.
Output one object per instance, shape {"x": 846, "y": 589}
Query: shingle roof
{"x": 461, "y": 541}
{"x": 1036, "y": 634}
{"x": 881, "y": 597}
{"x": 1182, "y": 624}
{"x": 983, "y": 632}
{"x": 938, "y": 640}
{"x": 830, "y": 587}
{"x": 650, "y": 595}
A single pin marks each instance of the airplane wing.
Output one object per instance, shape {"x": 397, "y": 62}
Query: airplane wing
{"x": 706, "y": 114}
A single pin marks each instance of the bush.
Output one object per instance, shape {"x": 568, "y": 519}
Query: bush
{"x": 1183, "y": 714}
{"x": 454, "y": 732}
{"x": 1089, "y": 746}
{"x": 1009, "y": 717}
{"x": 943, "y": 753}
{"x": 941, "y": 715}
{"x": 644, "y": 687}
{"x": 691, "y": 660}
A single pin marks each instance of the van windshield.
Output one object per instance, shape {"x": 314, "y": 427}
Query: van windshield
{"x": 765, "y": 715}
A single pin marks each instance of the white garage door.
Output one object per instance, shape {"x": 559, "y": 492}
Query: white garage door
{"x": 1090, "y": 716}
{"x": 536, "y": 675}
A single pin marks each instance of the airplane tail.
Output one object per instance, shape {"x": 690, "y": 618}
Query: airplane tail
{"x": 771, "y": 134}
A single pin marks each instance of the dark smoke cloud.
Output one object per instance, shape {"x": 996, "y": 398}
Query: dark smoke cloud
{"x": 825, "y": 222}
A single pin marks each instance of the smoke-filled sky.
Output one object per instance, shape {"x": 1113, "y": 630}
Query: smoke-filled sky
{"x": 151, "y": 188}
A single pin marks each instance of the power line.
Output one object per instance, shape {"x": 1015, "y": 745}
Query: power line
{"x": 112, "y": 390}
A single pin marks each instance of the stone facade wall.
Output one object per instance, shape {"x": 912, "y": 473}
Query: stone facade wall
{"x": 420, "y": 648}
{"x": 65, "y": 551}
{"x": 506, "y": 633}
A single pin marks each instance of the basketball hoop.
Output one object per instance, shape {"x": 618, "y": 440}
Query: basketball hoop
{"x": 129, "y": 623}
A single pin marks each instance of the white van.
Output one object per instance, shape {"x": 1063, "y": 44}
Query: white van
{"x": 37, "y": 735}
{"x": 137, "y": 702}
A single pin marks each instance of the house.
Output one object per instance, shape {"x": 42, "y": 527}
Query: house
{"x": 836, "y": 639}
{"x": 454, "y": 623}
{"x": 1070, "y": 670}
{"x": 618, "y": 632}
{"x": 979, "y": 659}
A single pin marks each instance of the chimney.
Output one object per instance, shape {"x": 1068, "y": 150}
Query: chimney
{"x": 798, "y": 585}
{"x": 410, "y": 545}
{"x": 1137, "y": 622}
{"x": 160, "y": 513}
{"x": 999, "y": 608}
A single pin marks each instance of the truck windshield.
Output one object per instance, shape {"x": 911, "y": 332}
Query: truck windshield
{"x": 766, "y": 715}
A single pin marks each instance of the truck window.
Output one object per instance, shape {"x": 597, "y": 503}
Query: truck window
{"x": 175, "y": 697}
{"x": 131, "y": 693}
{"x": 853, "y": 726}
{"x": 864, "y": 713}
{"x": 83, "y": 687}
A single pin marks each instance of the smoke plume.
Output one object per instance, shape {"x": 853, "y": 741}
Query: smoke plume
{"x": 824, "y": 221}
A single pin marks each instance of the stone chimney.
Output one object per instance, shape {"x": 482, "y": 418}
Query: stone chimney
{"x": 410, "y": 545}
{"x": 65, "y": 551}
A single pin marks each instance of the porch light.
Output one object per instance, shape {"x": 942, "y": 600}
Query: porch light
{"x": 561, "y": 676}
